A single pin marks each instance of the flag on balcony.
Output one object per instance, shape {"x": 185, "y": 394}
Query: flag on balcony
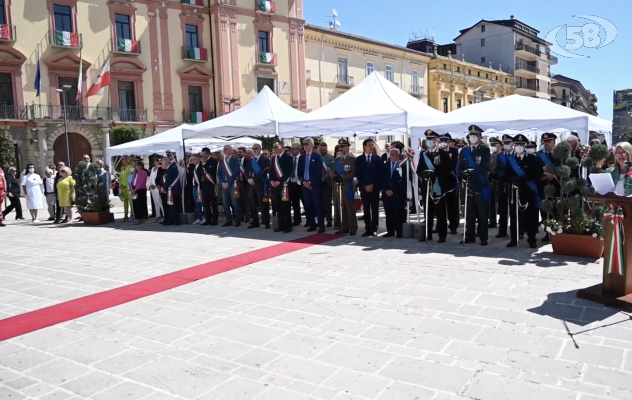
{"x": 127, "y": 45}
{"x": 196, "y": 53}
{"x": 267, "y": 6}
{"x": 80, "y": 78}
{"x": 5, "y": 32}
{"x": 102, "y": 81}
{"x": 267, "y": 58}
{"x": 197, "y": 117}
{"x": 37, "y": 85}
{"x": 63, "y": 38}
{"x": 193, "y": 2}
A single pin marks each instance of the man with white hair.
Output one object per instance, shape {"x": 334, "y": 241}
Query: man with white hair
{"x": 310, "y": 174}
{"x": 228, "y": 172}
{"x": 576, "y": 151}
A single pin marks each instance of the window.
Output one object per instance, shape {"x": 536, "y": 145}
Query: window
{"x": 479, "y": 73}
{"x": 370, "y": 67}
{"x": 63, "y": 18}
{"x": 389, "y": 73}
{"x": 342, "y": 69}
{"x": 482, "y": 28}
{"x": 71, "y": 94}
{"x": 3, "y": 15}
{"x": 6, "y": 90}
{"x": 445, "y": 105}
{"x": 264, "y": 42}
{"x": 191, "y": 34}
{"x": 458, "y": 103}
{"x": 445, "y": 66}
{"x": 458, "y": 69}
{"x": 505, "y": 80}
{"x": 482, "y": 42}
{"x": 261, "y": 82}
{"x": 123, "y": 26}
{"x": 469, "y": 102}
{"x": 563, "y": 93}
{"x": 486, "y": 76}
{"x": 415, "y": 80}
{"x": 482, "y": 60}
{"x": 127, "y": 101}
{"x": 195, "y": 99}
{"x": 469, "y": 72}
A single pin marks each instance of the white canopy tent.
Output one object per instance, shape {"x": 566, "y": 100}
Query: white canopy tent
{"x": 373, "y": 107}
{"x": 257, "y": 118}
{"x": 519, "y": 113}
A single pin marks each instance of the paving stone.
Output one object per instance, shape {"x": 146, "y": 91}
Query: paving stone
{"x": 475, "y": 352}
{"x": 594, "y": 355}
{"x": 125, "y": 390}
{"x": 356, "y": 383}
{"x": 354, "y": 357}
{"x": 428, "y": 342}
{"x": 126, "y": 361}
{"x": 493, "y": 387}
{"x": 388, "y": 335}
{"x": 236, "y": 389}
{"x": 90, "y": 350}
{"x": 396, "y": 320}
{"x": 91, "y": 383}
{"x": 608, "y": 377}
{"x": 427, "y": 374}
{"x": 281, "y": 394}
{"x": 543, "y": 365}
{"x": 8, "y": 394}
{"x": 25, "y": 359}
{"x": 507, "y": 339}
{"x": 20, "y": 383}
{"x": 448, "y": 329}
{"x": 58, "y": 371}
{"x": 299, "y": 345}
{"x": 301, "y": 369}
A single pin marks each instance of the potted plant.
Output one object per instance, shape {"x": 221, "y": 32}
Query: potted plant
{"x": 574, "y": 230}
{"x": 91, "y": 194}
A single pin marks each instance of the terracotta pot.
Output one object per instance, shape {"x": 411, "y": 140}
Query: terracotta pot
{"x": 95, "y": 218}
{"x": 567, "y": 244}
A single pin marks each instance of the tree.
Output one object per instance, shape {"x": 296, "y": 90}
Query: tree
{"x": 7, "y": 149}
{"x": 125, "y": 134}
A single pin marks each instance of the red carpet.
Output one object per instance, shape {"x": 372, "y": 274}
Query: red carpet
{"x": 49, "y": 316}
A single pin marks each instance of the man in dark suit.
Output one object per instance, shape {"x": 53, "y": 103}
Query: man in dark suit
{"x": 172, "y": 187}
{"x": 328, "y": 184}
{"x": 368, "y": 172}
{"x": 310, "y": 174}
{"x": 257, "y": 169}
{"x": 280, "y": 171}
{"x": 228, "y": 173}
{"x": 208, "y": 168}
{"x": 394, "y": 193}
{"x": 294, "y": 184}
{"x": 474, "y": 167}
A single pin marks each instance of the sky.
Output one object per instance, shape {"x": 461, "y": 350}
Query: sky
{"x": 608, "y": 68}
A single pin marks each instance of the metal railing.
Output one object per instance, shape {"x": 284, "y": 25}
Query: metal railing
{"x": 84, "y": 113}
{"x": 528, "y": 49}
{"x": 527, "y": 67}
{"x": 552, "y": 58}
{"x": 416, "y": 90}
{"x": 120, "y": 46}
{"x": 344, "y": 80}
{"x": 10, "y": 112}
{"x": 8, "y": 33}
{"x": 191, "y": 117}
{"x": 194, "y": 53}
{"x": 552, "y": 92}
{"x": 70, "y": 40}
{"x": 528, "y": 86}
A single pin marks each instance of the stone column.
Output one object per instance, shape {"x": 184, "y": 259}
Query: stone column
{"x": 42, "y": 147}
{"x": 105, "y": 142}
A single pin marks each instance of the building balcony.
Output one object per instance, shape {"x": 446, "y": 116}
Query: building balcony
{"x": 8, "y": 33}
{"x": 526, "y": 68}
{"x": 125, "y": 46}
{"x": 534, "y": 87}
{"x": 196, "y": 3}
{"x": 527, "y": 51}
{"x": 196, "y": 117}
{"x": 344, "y": 81}
{"x": 83, "y": 113}
{"x": 14, "y": 113}
{"x": 267, "y": 59}
{"x": 553, "y": 93}
{"x": 416, "y": 91}
{"x": 67, "y": 40}
{"x": 194, "y": 54}
{"x": 552, "y": 58}
{"x": 265, "y": 6}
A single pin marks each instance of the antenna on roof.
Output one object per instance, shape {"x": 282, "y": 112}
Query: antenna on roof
{"x": 334, "y": 23}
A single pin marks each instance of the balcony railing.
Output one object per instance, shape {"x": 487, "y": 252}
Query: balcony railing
{"x": 528, "y": 49}
{"x": 126, "y": 46}
{"x": 83, "y": 113}
{"x": 8, "y": 33}
{"x": 265, "y": 6}
{"x": 344, "y": 80}
{"x": 527, "y": 67}
{"x": 267, "y": 58}
{"x": 65, "y": 39}
{"x": 198, "y": 3}
{"x": 529, "y": 86}
{"x": 128, "y": 115}
{"x": 10, "y": 112}
{"x": 193, "y": 117}
{"x": 194, "y": 53}
{"x": 552, "y": 58}
{"x": 416, "y": 90}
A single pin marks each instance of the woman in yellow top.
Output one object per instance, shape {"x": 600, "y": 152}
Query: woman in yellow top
{"x": 66, "y": 192}
{"x": 123, "y": 185}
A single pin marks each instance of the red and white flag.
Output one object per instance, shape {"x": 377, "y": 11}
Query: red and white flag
{"x": 102, "y": 81}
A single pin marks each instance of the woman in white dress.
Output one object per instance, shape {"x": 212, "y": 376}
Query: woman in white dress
{"x": 155, "y": 192}
{"x": 33, "y": 188}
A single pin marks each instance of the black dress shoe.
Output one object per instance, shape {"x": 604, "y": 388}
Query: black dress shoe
{"x": 51, "y": 219}
{"x": 453, "y": 232}
{"x": 227, "y": 224}
{"x": 546, "y": 238}
{"x": 352, "y": 232}
{"x": 321, "y": 230}
{"x": 500, "y": 235}
{"x": 512, "y": 244}
{"x": 466, "y": 241}
{"x": 398, "y": 236}
{"x": 267, "y": 226}
{"x": 490, "y": 226}
{"x": 533, "y": 245}
{"x": 441, "y": 240}
{"x": 56, "y": 221}
{"x": 2, "y": 224}
{"x": 253, "y": 226}
{"x": 311, "y": 229}
{"x": 213, "y": 223}
{"x": 287, "y": 231}
{"x": 329, "y": 224}
{"x": 306, "y": 225}
{"x": 206, "y": 224}
{"x": 367, "y": 234}
{"x": 237, "y": 224}
{"x": 296, "y": 223}
{"x": 388, "y": 234}
{"x": 483, "y": 242}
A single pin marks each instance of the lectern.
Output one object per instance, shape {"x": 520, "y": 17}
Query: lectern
{"x": 616, "y": 287}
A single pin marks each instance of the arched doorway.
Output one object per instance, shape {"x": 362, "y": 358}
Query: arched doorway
{"x": 78, "y": 144}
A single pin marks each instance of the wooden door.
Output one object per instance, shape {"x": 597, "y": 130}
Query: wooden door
{"x": 79, "y": 146}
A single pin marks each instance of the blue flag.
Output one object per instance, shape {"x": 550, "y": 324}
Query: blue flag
{"x": 38, "y": 78}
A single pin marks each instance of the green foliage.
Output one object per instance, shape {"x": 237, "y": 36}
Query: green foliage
{"x": 7, "y": 149}
{"x": 549, "y": 169}
{"x": 91, "y": 195}
{"x": 572, "y": 163}
{"x": 596, "y": 157}
{"x": 125, "y": 134}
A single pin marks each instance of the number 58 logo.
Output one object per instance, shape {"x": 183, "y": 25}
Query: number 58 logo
{"x": 589, "y": 35}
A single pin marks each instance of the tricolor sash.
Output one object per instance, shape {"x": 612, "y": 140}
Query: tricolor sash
{"x": 486, "y": 193}
{"x": 614, "y": 253}
{"x": 285, "y": 193}
{"x": 266, "y": 182}
{"x": 208, "y": 176}
{"x": 520, "y": 172}
{"x": 229, "y": 173}
{"x": 341, "y": 171}
{"x": 436, "y": 187}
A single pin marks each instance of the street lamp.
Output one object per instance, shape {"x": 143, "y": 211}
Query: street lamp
{"x": 63, "y": 92}
{"x": 229, "y": 103}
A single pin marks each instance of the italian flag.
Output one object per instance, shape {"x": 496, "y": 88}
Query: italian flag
{"x": 127, "y": 45}
{"x": 193, "y": 2}
{"x": 266, "y": 6}
{"x": 325, "y": 167}
{"x": 197, "y": 117}
{"x": 5, "y": 31}
{"x": 63, "y": 38}
{"x": 267, "y": 58}
{"x": 196, "y": 53}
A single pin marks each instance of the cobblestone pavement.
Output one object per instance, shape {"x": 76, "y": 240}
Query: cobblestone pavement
{"x": 350, "y": 319}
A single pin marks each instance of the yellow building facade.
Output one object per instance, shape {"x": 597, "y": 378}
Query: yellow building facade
{"x": 335, "y": 61}
{"x": 456, "y": 83}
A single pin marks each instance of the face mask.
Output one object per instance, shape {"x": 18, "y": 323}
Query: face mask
{"x": 473, "y": 139}
{"x": 443, "y": 145}
{"x": 519, "y": 149}
{"x": 530, "y": 151}
{"x": 431, "y": 143}
{"x": 31, "y": 170}
{"x": 507, "y": 147}
{"x": 494, "y": 149}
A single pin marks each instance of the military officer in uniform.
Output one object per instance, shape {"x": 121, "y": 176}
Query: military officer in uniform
{"x": 452, "y": 197}
{"x": 545, "y": 156}
{"x": 522, "y": 173}
{"x": 502, "y": 190}
{"x": 394, "y": 192}
{"x": 474, "y": 166}
{"x": 343, "y": 174}
{"x": 257, "y": 169}
{"x": 494, "y": 145}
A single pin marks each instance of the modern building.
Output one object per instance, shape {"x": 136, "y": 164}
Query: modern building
{"x": 454, "y": 83}
{"x": 622, "y": 115}
{"x": 335, "y": 61}
{"x": 571, "y": 93}
{"x": 171, "y": 61}
{"x": 513, "y": 46}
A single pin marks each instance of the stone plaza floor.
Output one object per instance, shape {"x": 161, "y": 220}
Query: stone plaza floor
{"x": 348, "y": 319}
